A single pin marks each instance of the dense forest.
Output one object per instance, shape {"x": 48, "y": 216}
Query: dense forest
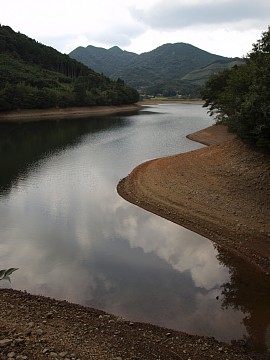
{"x": 178, "y": 69}
{"x": 33, "y": 76}
{"x": 240, "y": 97}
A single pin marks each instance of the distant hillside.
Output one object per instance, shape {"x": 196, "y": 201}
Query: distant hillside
{"x": 34, "y": 76}
{"x": 102, "y": 60}
{"x": 201, "y": 75}
{"x": 169, "y": 69}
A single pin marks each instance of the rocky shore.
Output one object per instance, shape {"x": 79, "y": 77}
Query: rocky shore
{"x": 221, "y": 191}
{"x": 35, "y": 327}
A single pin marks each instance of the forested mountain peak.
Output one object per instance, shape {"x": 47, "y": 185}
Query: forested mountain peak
{"x": 116, "y": 49}
{"x": 170, "y": 69}
{"x": 103, "y": 60}
{"x": 179, "y": 46}
{"x": 33, "y": 75}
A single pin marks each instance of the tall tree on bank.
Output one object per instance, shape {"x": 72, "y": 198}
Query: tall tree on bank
{"x": 240, "y": 97}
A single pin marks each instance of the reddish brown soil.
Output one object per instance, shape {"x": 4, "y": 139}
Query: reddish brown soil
{"x": 221, "y": 192}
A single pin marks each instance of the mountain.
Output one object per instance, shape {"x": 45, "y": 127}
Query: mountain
{"x": 102, "y": 60}
{"x": 201, "y": 75}
{"x": 170, "y": 68}
{"x": 33, "y": 75}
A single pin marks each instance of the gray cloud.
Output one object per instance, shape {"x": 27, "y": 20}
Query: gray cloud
{"x": 174, "y": 15}
{"x": 120, "y": 37}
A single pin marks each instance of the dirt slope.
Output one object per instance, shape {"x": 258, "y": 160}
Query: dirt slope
{"x": 221, "y": 191}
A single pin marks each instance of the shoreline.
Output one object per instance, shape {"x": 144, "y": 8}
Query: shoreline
{"x": 219, "y": 191}
{"x": 32, "y": 115}
{"x": 162, "y": 101}
{"x": 65, "y": 113}
{"x": 41, "y": 328}
{"x": 38, "y": 327}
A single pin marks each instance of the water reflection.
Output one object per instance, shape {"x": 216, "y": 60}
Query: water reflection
{"x": 63, "y": 224}
{"x": 140, "y": 267}
{"x": 247, "y": 291}
{"x": 21, "y": 145}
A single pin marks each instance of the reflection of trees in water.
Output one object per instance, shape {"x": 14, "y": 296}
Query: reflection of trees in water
{"x": 249, "y": 292}
{"x": 22, "y": 145}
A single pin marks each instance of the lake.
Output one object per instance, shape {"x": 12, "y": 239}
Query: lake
{"x": 73, "y": 237}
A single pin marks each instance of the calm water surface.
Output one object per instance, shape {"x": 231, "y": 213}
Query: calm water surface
{"x": 73, "y": 237}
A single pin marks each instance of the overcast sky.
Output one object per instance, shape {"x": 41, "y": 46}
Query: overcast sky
{"x": 223, "y": 27}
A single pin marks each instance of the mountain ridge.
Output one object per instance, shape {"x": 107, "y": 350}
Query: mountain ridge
{"x": 164, "y": 69}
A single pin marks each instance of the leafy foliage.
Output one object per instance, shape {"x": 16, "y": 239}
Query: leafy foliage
{"x": 171, "y": 68}
{"x": 4, "y": 274}
{"x": 33, "y": 75}
{"x": 240, "y": 97}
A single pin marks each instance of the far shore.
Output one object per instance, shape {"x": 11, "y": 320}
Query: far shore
{"x": 65, "y": 113}
{"x": 31, "y": 115}
{"x": 160, "y": 100}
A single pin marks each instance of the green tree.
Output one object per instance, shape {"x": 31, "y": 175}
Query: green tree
{"x": 240, "y": 97}
{"x": 33, "y": 75}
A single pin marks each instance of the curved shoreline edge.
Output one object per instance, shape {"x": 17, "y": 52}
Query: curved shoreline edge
{"x": 38, "y": 327}
{"x": 65, "y": 113}
{"x": 219, "y": 192}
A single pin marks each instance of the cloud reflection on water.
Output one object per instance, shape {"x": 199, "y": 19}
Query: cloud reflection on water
{"x": 99, "y": 250}
{"x": 74, "y": 238}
